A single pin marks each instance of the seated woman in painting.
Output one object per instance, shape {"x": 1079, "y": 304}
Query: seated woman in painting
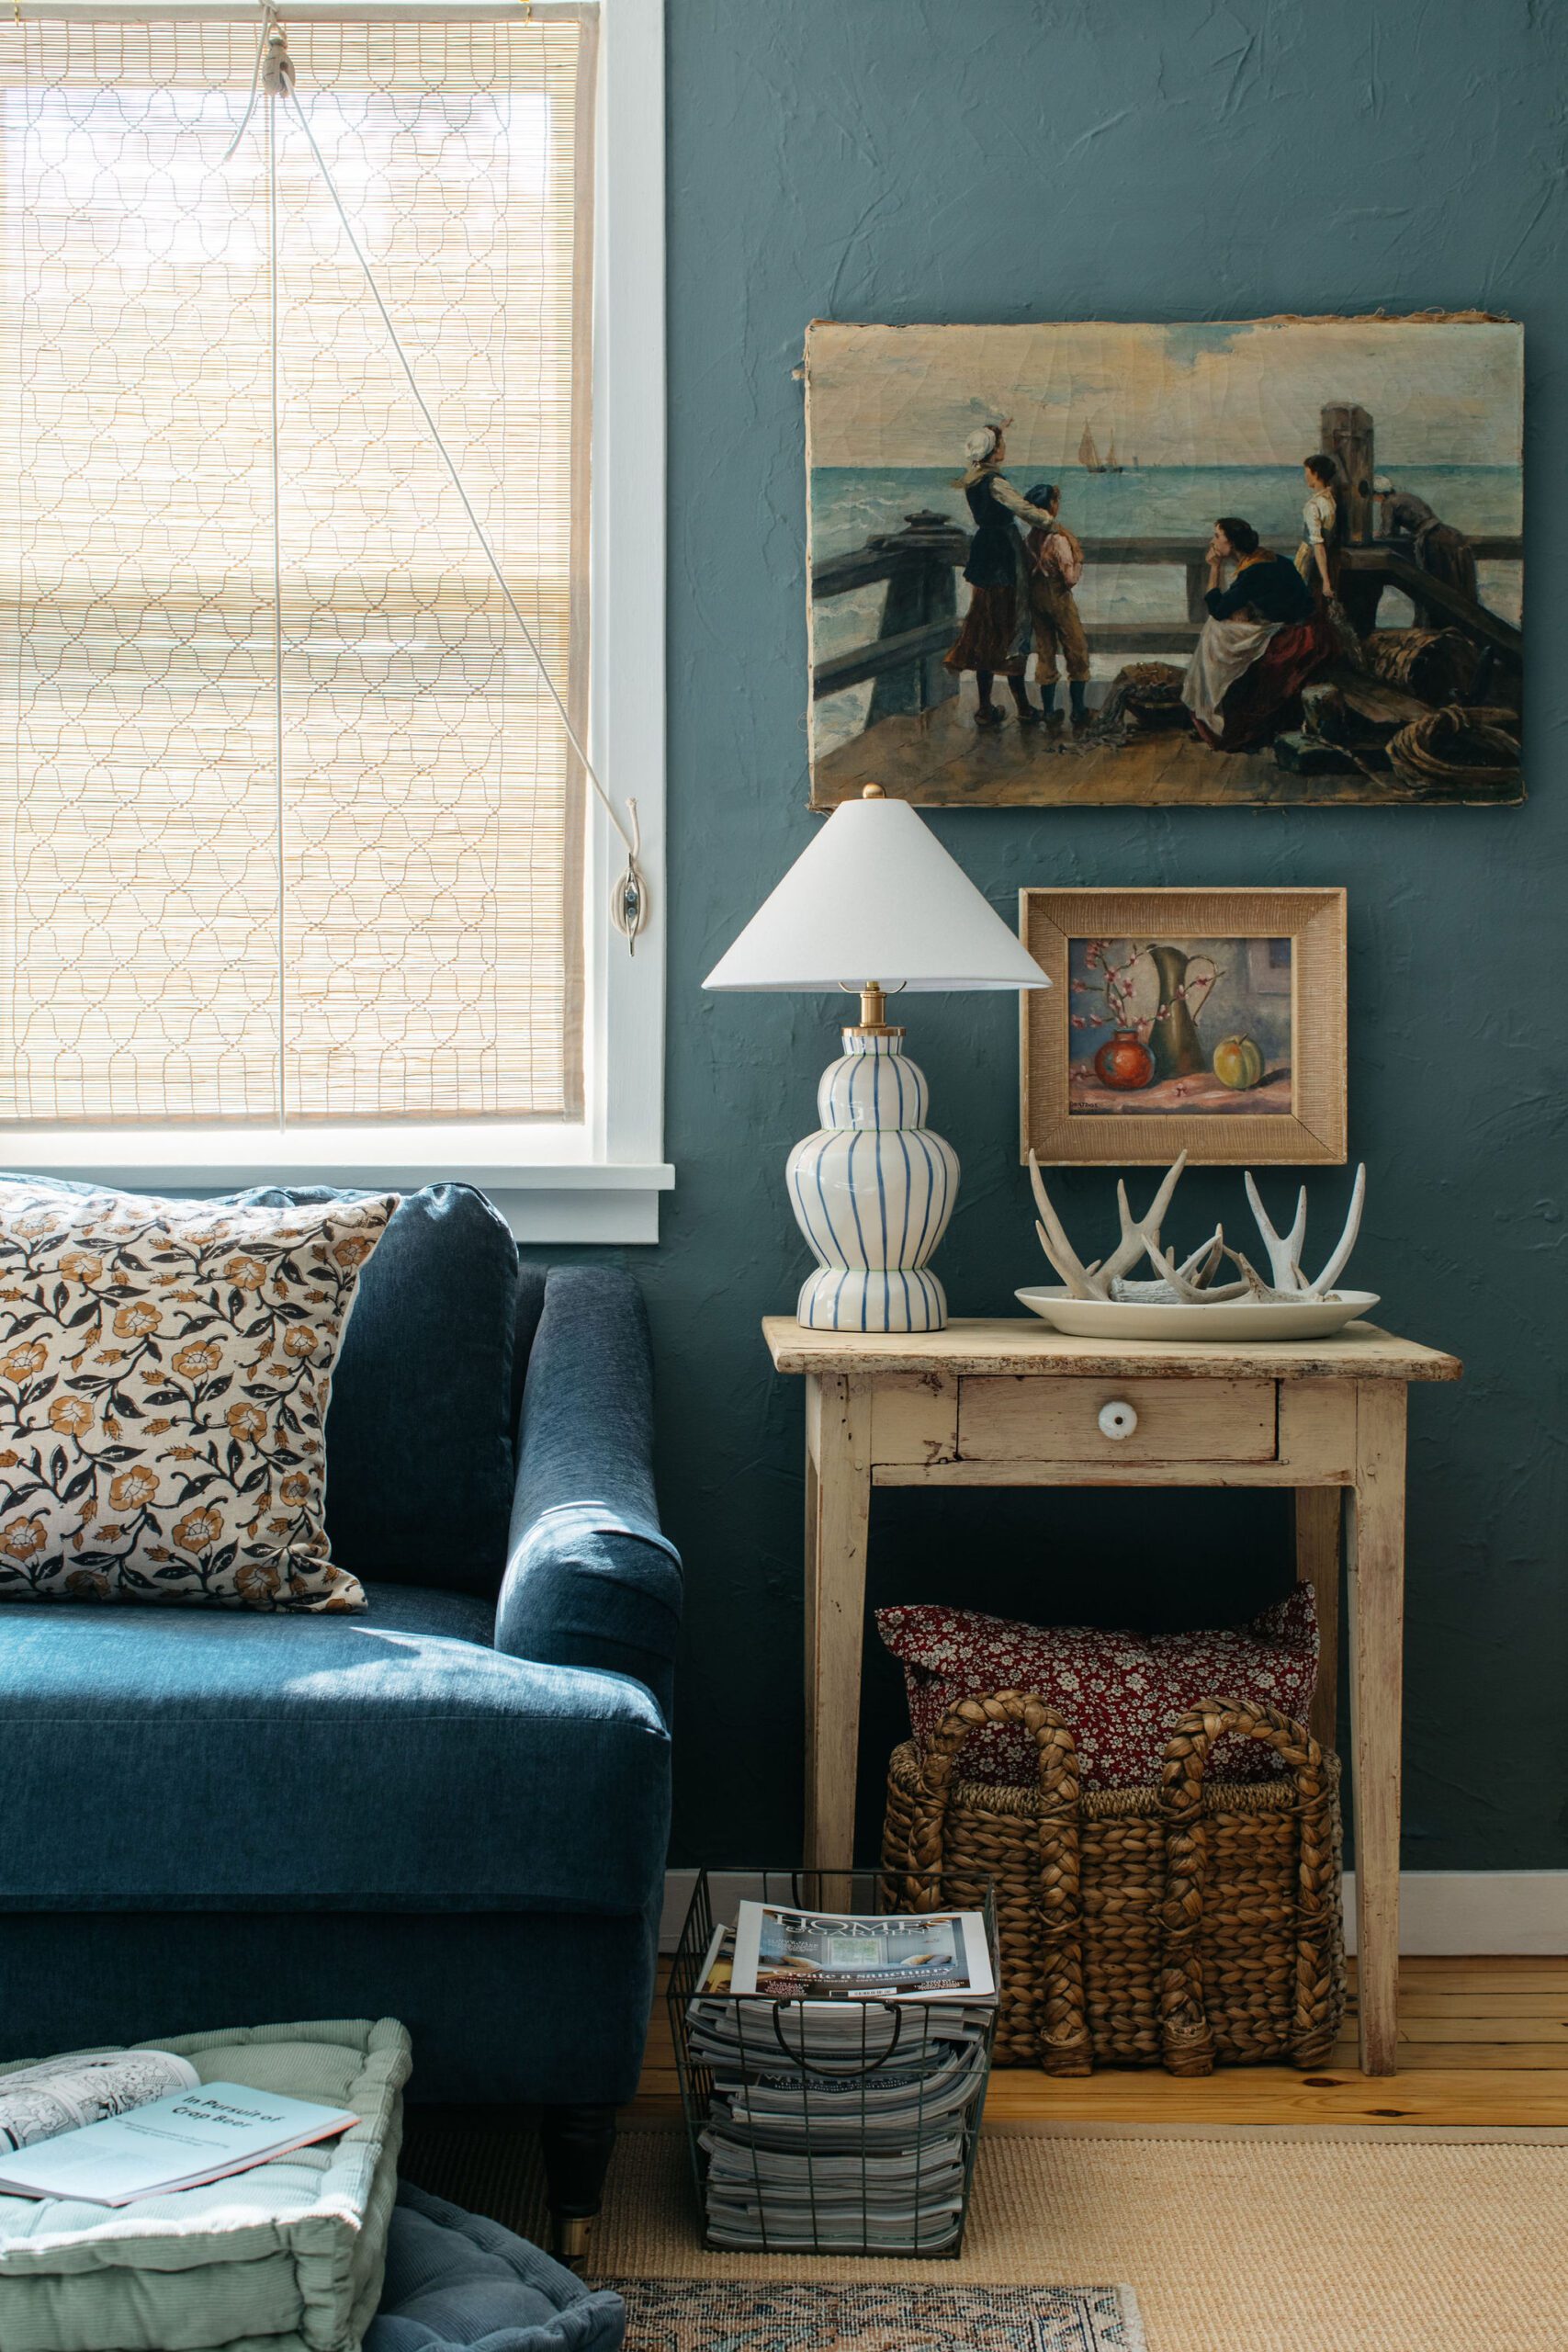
{"x": 1263, "y": 639}
{"x": 998, "y": 632}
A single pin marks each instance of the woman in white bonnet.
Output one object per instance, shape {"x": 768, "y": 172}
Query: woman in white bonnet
{"x": 1437, "y": 547}
{"x": 997, "y": 632}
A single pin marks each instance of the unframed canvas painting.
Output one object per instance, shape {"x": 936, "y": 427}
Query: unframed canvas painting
{"x": 1273, "y": 560}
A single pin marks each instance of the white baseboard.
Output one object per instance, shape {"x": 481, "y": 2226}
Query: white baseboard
{"x": 1439, "y": 1911}
{"x": 726, "y": 1886}
{"x": 1476, "y": 1911}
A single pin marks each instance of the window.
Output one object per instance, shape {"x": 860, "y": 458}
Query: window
{"x": 299, "y": 871}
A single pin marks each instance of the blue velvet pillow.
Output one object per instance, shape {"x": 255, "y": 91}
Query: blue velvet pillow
{"x": 420, "y": 1457}
{"x": 455, "y": 2279}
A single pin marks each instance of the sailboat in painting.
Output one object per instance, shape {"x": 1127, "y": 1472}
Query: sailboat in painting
{"x": 1090, "y": 460}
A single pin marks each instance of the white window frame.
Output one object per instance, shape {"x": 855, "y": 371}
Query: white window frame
{"x": 600, "y": 1180}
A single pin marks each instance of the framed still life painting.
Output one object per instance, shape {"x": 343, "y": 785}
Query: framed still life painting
{"x": 1206, "y": 1021}
{"x": 1225, "y": 563}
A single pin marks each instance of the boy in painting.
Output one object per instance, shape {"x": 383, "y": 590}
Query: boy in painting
{"x": 1317, "y": 557}
{"x": 1055, "y": 566}
{"x": 1263, "y": 638}
{"x": 995, "y": 631}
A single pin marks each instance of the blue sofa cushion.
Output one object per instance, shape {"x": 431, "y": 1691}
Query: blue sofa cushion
{"x": 420, "y": 1459}
{"x": 455, "y": 2279}
{"x": 420, "y": 1463}
{"x": 160, "y": 1761}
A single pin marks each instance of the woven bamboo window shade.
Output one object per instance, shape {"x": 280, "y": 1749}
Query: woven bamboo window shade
{"x": 315, "y": 855}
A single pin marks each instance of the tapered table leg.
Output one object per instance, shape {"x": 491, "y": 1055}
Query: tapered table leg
{"x": 1318, "y": 1511}
{"x": 1377, "y": 1648}
{"x": 838, "y": 1516}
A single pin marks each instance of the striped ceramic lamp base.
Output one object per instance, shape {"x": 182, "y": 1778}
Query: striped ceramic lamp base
{"x": 873, "y": 1190}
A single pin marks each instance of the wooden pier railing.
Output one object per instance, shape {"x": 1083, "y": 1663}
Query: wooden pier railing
{"x": 1370, "y": 570}
{"x": 920, "y": 618}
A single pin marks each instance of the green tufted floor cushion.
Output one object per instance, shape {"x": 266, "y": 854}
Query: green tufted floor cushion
{"x": 286, "y": 2257}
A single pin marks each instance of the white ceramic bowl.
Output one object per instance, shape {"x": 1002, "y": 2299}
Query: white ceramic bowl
{"x": 1231, "y": 1321}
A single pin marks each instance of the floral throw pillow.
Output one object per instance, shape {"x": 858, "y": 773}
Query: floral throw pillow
{"x": 1120, "y": 1693}
{"x": 166, "y": 1368}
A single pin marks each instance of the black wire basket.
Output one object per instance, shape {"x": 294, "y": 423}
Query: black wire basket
{"x": 819, "y": 2127}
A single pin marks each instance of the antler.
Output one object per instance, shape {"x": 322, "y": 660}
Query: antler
{"x": 1340, "y": 1258}
{"x": 1140, "y": 1236}
{"x": 1251, "y": 1279}
{"x": 1057, "y": 1248}
{"x": 1210, "y": 1253}
{"x": 1285, "y": 1252}
{"x": 1196, "y": 1290}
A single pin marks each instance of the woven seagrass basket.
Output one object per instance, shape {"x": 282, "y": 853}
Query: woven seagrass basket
{"x": 1189, "y": 1923}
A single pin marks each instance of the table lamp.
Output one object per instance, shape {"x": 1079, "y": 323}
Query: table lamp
{"x": 874, "y": 1188}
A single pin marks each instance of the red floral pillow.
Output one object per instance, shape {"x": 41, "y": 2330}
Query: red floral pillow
{"x": 1120, "y": 1693}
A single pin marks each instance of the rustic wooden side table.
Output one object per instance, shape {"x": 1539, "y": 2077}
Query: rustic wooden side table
{"x": 1014, "y": 1404}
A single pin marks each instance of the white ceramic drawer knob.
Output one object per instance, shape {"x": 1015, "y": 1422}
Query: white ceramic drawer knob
{"x": 1117, "y": 1418}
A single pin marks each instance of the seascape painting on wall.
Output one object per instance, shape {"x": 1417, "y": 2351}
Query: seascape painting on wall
{"x": 1206, "y": 1021}
{"x": 1226, "y": 563}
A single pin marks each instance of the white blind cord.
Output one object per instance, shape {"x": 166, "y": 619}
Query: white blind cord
{"x": 275, "y": 75}
{"x": 286, "y": 73}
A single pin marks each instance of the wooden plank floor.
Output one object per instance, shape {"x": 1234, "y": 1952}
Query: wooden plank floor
{"x": 1483, "y": 2047}
{"x": 938, "y": 759}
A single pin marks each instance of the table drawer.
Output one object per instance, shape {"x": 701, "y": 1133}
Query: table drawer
{"x": 1052, "y": 1417}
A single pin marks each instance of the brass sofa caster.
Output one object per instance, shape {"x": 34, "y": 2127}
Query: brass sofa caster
{"x": 572, "y": 2238}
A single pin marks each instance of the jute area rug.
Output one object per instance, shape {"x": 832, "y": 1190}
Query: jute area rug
{"x": 1227, "y": 2246}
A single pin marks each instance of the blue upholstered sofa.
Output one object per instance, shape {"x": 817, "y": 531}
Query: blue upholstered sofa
{"x": 452, "y": 1809}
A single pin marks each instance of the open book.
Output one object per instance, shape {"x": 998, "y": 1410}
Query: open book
{"x": 57, "y": 2095}
{"x": 203, "y": 2132}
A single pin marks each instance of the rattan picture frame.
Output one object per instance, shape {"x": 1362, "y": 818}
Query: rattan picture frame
{"x": 1209, "y": 1021}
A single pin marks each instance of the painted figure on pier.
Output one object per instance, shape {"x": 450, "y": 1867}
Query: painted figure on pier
{"x": 1054, "y": 561}
{"x": 1264, "y": 637}
{"x": 1416, "y": 531}
{"x": 994, "y": 639}
{"x": 1317, "y": 557}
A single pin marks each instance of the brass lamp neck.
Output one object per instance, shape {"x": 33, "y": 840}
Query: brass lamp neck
{"x": 873, "y": 1019}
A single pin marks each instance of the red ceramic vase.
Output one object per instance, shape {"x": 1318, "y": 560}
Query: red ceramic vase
{"x": 1124, "y": 1062}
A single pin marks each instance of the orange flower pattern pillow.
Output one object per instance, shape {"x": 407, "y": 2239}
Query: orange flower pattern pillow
{"x": 166, "y": 1368}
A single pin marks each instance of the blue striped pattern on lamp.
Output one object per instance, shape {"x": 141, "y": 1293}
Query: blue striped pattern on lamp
{"x": 872, "y": 1191}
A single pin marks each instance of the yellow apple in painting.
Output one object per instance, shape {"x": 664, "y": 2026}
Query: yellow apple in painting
{"x": 1238, "y": 1063}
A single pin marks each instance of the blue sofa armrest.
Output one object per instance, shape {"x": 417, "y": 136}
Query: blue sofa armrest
{"x": 592, "y": 1581}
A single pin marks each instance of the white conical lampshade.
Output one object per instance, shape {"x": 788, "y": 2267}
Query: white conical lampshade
{"x": 876, "y": 897}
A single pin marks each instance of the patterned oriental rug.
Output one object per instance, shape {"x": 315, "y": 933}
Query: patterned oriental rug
{"x": 749, "y": 2315}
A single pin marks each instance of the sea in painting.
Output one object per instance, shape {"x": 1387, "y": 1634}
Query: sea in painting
{"x": 1148, "y": 437}
{"x": 1179, "y": 1027}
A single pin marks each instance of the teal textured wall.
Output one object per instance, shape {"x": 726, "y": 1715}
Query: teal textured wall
{"x": 1003, "y": 160}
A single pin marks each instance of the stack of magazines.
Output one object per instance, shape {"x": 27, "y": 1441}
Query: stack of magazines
{"x": 847, "y": 2059}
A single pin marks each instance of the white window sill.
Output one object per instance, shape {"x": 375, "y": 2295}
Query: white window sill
{"x": 545, "y": 1191}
